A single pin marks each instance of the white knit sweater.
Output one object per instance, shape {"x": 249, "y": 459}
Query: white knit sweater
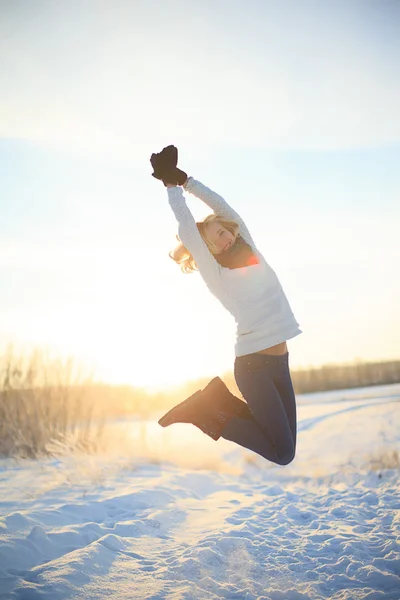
{"x": 253, "y": 294}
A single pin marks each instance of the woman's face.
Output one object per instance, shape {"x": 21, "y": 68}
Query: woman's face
{"x": 222, "y": 238}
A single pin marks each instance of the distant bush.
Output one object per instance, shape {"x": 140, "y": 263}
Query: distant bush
{"x": 345, "y": 376}
{"x": 43, "y": 400}
{"x": 385, "y": 459}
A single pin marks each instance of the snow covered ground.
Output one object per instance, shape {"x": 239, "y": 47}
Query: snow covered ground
{"x": 169, "y": 513}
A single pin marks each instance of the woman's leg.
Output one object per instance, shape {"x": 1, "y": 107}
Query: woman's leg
{"x": 262, "y": 379}
{"x": 284, "y": 385}
{"x": 250, "y": 435}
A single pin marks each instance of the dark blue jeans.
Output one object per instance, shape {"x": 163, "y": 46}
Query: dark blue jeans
{"x": 265, "y": 383}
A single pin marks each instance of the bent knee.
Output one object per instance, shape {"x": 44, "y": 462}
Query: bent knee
{"x": 286, "y": 458}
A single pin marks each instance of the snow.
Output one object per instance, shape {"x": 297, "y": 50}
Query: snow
{"x": 169, "y": 513}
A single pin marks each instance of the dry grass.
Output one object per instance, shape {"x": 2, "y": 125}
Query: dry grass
{"x": 44, "y": 400}
{"x": 385, "y": 459}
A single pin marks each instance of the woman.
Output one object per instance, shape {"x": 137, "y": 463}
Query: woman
{"x": 223, "y": 251}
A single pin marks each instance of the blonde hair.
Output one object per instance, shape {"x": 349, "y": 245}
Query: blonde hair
{"x": 181, "y": 255}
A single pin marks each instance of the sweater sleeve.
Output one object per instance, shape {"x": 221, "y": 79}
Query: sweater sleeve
{"x": 191, "y": 238}
{"x": 218, "y": 205}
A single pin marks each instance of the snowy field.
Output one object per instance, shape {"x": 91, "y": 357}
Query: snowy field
{"x": 169, "y": 513}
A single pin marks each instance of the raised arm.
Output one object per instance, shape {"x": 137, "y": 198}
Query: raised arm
{"x": 190, "y": 236}
{"x": 218, "y": 205}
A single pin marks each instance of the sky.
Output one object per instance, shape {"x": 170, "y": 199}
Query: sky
{"x": 287, "y": 109}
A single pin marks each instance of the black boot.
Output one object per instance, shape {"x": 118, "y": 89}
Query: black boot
{"x": 209, "y": 409}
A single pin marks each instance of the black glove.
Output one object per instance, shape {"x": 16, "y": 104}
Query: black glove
{"x": 164, "y": 161}
{"x": 176, "y": 177}
{"x": 164, "y": 165}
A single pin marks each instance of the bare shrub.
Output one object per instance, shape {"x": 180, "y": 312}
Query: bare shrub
{"x": 42, "y": 400}
{"x": 384, "y": 459}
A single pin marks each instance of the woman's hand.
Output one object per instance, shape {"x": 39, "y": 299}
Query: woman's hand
{"x": 164, "y": 165}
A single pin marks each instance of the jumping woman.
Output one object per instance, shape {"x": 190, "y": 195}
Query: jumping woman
{"x": 223, "y": 251}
